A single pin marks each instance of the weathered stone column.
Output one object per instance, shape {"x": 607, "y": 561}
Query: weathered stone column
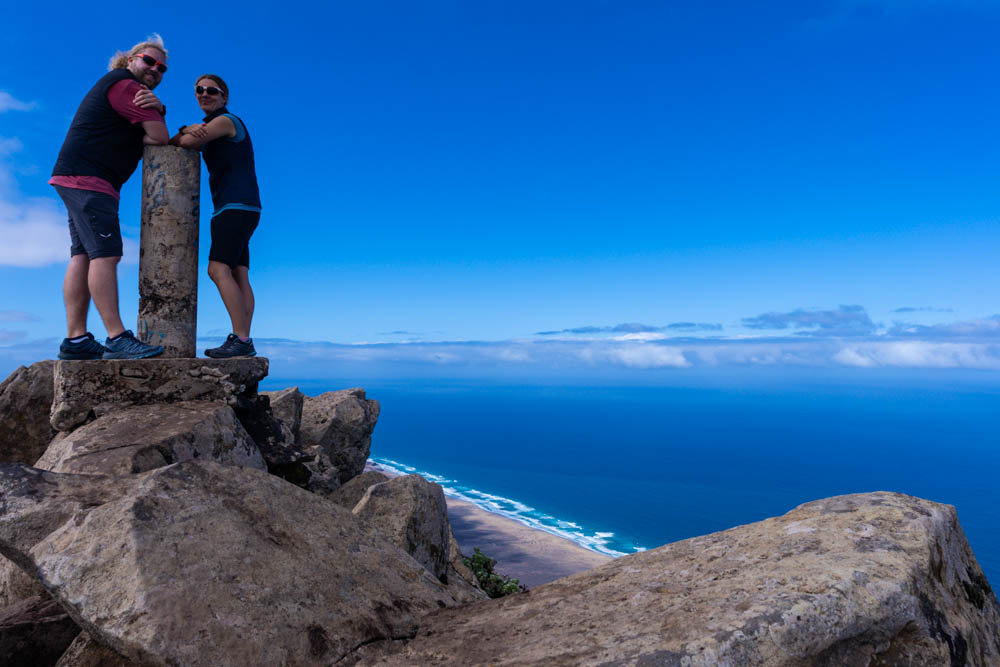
{"x": 168, "y": 251}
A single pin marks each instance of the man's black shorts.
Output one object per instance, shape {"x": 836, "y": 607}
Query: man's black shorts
{"x": 93, "y": 223}
{"x": 231, "y": 232}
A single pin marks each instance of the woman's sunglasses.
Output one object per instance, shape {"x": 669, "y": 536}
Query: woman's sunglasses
{"x": 150, "y": 61}
{"x": 211, "y": 90}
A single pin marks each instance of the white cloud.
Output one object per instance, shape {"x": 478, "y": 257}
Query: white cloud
{"x": 556, "y": 355}
{"x": 642, "y": 336}
{"x": 639, "y": 355}
{"x": 10, "y": 103}
{"x": 921, "y": 354}
{"x": 33, "y": 228}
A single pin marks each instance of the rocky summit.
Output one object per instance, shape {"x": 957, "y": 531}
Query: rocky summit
{"x": 165, "y": 512}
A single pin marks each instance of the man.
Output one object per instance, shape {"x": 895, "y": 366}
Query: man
{"x": 104, "y": 144}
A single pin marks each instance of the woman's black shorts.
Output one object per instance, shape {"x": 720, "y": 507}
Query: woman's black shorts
{"x": 231, "y": 232}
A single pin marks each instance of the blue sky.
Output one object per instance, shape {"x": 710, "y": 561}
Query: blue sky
{"x": 621, "y": 185}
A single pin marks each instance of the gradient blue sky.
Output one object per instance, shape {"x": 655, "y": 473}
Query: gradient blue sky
{"x": 602, "y": 184}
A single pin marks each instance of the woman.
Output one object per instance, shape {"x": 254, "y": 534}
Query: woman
{"x": 225, "y": 144}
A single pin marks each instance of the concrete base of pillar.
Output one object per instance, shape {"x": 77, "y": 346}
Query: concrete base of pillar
{"x": 87, "y": 389}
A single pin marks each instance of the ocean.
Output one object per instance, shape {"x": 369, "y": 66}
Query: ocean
{"x": 620, "y": 468}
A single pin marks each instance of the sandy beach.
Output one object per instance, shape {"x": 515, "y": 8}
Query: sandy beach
{"x": 531, "y": 556}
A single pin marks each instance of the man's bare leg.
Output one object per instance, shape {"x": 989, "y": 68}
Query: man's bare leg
{"x": 76, "y": 295}
{"x": 242, "y": 276}
{"x": 102, "y": 279}
{"x": 232, "y": 297}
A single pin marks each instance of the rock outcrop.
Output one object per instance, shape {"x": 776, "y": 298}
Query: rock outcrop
{"x": 87, "y": 389}
{"x": 134, "y": 440}
{"x": 158, "y": 528}
{"x": 143, "y": 437}
{"x": 286, "y": 405}
{"x": 351, "y": 493}
{"x": 25, "y": 397}
{"x": 336, "y": 428}
{"x": 868, "y": 579}
{"x": 411, "y": 513}
{"x": 270, "y": 573}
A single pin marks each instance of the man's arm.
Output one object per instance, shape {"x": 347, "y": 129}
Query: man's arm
{"x": 156, "y": 133}
{"x": 123, "y": 96}
{"x": 196, "y": 136}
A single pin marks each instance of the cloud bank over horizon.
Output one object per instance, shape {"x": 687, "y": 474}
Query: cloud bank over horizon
{"x": 833, "y": 339}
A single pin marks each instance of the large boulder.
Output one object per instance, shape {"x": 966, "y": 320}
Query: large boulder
{"x": 351, "y": 493}
{"x": 274, "y": 439}
{"x": 87, "y": 389}
{"x": 34, "y": 633}
{"x": 408, "y": 513}
{"x": 411, "y": 513}
{"x": 25, "y": 398}
{"x": 134, "y": 440}
{"x": 336, "y": 428}
{"x": 868, "y": 579}
{"x": 203, "y": 564}
{"x": 144, "y": 437}
{"x": 286, "y": 405}
{"x": 16, "y": 585}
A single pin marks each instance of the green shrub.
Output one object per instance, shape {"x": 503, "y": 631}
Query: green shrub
{"x": 495, "y": 585}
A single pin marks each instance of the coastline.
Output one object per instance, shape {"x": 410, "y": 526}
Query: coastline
{"x": 533, "y": 557}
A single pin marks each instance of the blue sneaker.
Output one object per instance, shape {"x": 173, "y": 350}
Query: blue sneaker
{"x": 127, "y": 346}
{"x": 233, "y": 347}
{"x": 85, "y": 350}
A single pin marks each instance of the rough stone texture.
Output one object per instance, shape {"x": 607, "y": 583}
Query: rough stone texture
{"x": 460, "y": 581}
{"x": 351, "y": 493}
{"x": 274, "y": 439}
{"x": 34, "y": 633}
{"x": 17, "y": 585}
{"x": 152, "y": 565}
{"x": 25, "y": 397}
{"x": 286, "y": 405}
{"x": 411, "y": 513}
{"x": 87, "y": 389}
{"x": 144, "y": 437}
{"x": 168, "y": 249}
{"x": 339, "y": 424}
{"x": 85, "y": 652}
{"x": 870, "y": 579}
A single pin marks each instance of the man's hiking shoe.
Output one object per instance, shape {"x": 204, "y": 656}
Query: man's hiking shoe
{"x": 233, "y": 347}
{"x": 127, "y": 346}
{"x": 86, "y": 349}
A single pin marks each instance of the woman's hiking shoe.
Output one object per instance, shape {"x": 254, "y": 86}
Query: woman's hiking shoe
{"x": 126, "y": 346}
{"x": 84, "y": 350}
{"x": 233, "y": 347}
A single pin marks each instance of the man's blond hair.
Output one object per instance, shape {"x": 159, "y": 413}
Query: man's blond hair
{"x": 120, "y": 59}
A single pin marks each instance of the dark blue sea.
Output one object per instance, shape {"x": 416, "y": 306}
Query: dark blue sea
{"x": 624, "y": 468}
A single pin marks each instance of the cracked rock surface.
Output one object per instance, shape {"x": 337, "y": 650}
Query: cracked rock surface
{"x": 203, "y": 564}
{"x": 87, "y": 389}
{"x": 25, "y": 397}
{"x": 877, "y": 579}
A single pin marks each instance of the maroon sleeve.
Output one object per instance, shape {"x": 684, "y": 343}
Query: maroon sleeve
{"x": 120, "y": 96}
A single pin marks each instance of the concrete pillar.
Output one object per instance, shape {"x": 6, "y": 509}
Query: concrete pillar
{"x": 168, "y": 250}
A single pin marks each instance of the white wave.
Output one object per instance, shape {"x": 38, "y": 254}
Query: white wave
{"x": 513, "y": 509}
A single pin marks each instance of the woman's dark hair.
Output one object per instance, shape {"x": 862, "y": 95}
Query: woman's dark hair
{"x": 217, "y": 79}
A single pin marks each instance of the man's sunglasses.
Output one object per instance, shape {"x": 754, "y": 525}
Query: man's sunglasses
{"x": 211, "y": 90}
{"x": 150, "y": 61}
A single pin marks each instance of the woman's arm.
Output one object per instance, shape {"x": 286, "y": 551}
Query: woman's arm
{"x": 196, "y": 136}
